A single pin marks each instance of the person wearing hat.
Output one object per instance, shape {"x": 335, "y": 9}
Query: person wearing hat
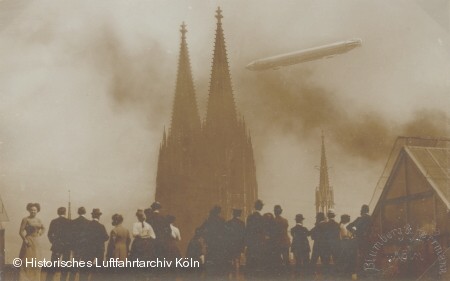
{"x": 332, "y": 243}
{"x": 360, "y": 229}
{"x": 317, "y": 235}
{"x": 98, "y": 236}
{"x": 255, "y": 239}
{"x": 80, "y": 243}
{"x": 235, "y": 234}
{"x": 213, "y": 231}
{"x": 59, "y": 236}
{"x": 300, "y": 245}
{"x": 281, "y": 236}
{"x": 161, "y": 228}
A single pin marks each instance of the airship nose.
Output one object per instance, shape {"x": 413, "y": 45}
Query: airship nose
{"x": 251, "y": 66}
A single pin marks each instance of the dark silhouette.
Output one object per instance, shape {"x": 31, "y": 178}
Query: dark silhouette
{"x": 80, "y": 243}
{"x": 235, "y": 234}
{"x": 360, "y": 229}
{"x": 161, "y": 228}
{"x": 59, "y": 236}
{"x": 196, "y": 247}
{"x": 281, "y": 238}
{"x": 318, "y": 235}
{"x": 213, "y": 231}
{"x": 271, "y": 258}
{"x": 98, "y": 236}
{"x": 332, "y": 243}
{"x": 255, "y": 238}
{"x": 300, "y": 245}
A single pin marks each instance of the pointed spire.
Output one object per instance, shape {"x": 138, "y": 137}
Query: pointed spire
{"x": 221, "y": 111}
{"x": 324, "y": 192}
{"x": 185, "y": 118}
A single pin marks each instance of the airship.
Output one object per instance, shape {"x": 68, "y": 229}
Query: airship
{"x": 325, "y": 51}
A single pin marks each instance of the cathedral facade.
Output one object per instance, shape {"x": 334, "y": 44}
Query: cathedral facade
{"x": 202, "y": 164}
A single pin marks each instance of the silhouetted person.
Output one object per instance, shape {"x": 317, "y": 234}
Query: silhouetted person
{"x": 332, "y": 242}
{"x": 255, "y": 238}
{"x": 300, "y": 245}
{"x": 347, "y": 255}
{"x": 143, "y": 246}
{"x": 213, "y": 231}
{"x": 318, "y": 236}
{"x": 196, "y": 247}
{"x": 80, "y": 243}
{"x": 119, "y": 240}
{"x": 161, "y": 228}
{"x": 235, "y": 234}
{"x": 98, "y": 236}
{"x": 196, "y": 250}
{"x": 59, "y": 236}
{"x": 360, "y": 229}
{"x": 173, "y": 251}
{"x": 282, "y": 241}
{"x": 271, "y": 258}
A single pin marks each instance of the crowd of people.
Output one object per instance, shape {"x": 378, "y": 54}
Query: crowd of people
{"x": 218, "y": 245}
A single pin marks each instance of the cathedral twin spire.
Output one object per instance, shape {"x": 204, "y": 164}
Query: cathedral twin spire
{"x": 205, "y": 163}
{"x": 185, "y": 118}
{"x": 221, "y": 110}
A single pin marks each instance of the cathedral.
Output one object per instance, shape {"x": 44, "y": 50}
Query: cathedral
{"x": 210, "y": 162}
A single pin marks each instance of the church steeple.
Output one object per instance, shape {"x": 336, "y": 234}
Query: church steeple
{"x": 221, "y": 111}
{"x": 324, "y": 192}
{"x": 185, "y": 117}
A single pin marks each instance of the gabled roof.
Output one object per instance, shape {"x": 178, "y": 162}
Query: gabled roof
{"x": 423, "y": 159}
{"x": 433, "y": 162}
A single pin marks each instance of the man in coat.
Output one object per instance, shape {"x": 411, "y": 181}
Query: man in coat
{"x": 235, "y": 234}
{"x": 213, "y": 231}
{"x": 300, "y": 245}
{"x": 318, "y": 235}
{"x": 98, "y": 236}
{"x": 332, "y": 241}
{"x": 255, "y": 238}
{"x": 59, "y": 237}
{"x": 281, "y": 238}
{"x": 160, "y": 226}
{"x": 360, "y": 229}
{"x": 80, "y": 243}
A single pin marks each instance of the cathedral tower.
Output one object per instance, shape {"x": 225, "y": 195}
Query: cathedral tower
{"x": 202, "y": 165}
{"x": 324, "y": 192}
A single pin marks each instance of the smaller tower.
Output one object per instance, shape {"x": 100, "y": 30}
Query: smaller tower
{"x": 324, "y": 192}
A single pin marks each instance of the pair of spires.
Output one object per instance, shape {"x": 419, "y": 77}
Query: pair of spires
{"x": 218, "y": 16}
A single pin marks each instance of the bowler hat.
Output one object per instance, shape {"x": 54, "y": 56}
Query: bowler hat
{"x": 299, "y": 217}
{"x": 96, "y": 212}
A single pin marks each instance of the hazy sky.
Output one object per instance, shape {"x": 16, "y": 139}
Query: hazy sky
{"x": 86, "y": 89}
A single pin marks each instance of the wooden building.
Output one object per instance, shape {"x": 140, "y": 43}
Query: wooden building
{"x": 411, "y": 222}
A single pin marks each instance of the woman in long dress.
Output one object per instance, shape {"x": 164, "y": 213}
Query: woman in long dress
{"x": 31, "y": 229}
{"x": 119, "y": 241}
{"x": 144, "y": 236}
